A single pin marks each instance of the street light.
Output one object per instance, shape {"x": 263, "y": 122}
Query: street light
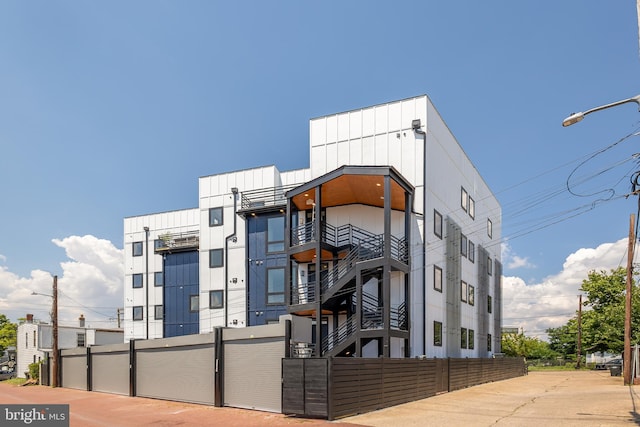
{"x": 576, "y": 117}
{"x": 54, "y": 327}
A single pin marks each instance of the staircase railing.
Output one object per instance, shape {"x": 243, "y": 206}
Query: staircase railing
{"x": 399, "y": 317}
{"x": 303, "y": 293}
{"x": 339, "y": 335}
{"x": 362, "y": 252}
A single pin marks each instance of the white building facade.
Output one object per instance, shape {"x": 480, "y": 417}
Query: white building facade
{"x": 393, "y": 215}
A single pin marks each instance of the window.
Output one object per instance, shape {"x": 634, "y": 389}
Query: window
{"x": 275, "y": 286}
{"x": 34, "y": 339}
{"x": 26, "y": 340}
{"x": 463, "y": 291}
{"x": 437, "y": 224}
{"x": 275, "y": 234}
{"x": 215, "y": 217}
{"x": 137, "y": 280}
{"x": 137, "y": 248}
{"x": 489, "y": 228}
{"x": 158, "y": 312}
{"x": 194, "y": 303}
{"x": 80, "y": 339}
{"x": 216, "y": 299}
{"x": 489, "y": 304}
{"x": 437, "y": 278}
{"x": 463, "y": 245}
{"x": 158, "y": 278}
{"x": 437, "y": 334}
{"x": 472, "y": 208}
{"x": 472, "y": 251}
{"x": 215, "y": 258}
{"x": 159, "y": 244}
{"x": 137, "y": 312}
{"x": 464, "y": 199}
{"x": 488, "y": 342}
{"x": 471, "y": 339}
{"x": 472, "y": 296}
{"x": 489, "y": 266}
{"x": 463, "y": 338}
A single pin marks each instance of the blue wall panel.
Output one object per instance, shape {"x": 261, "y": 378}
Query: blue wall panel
{"x": 181, "y": 280}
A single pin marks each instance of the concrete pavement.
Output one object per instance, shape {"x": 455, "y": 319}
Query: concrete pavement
{"x": 550, "y": 398}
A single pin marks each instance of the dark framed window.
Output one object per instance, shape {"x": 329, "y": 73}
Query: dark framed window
{"x": 472, "y": 208}
{"x": 138, "y": 314}
{"x": 137, "y": 248}
{"x": 472, "y": 252}
{"x": 216, "y": 258}
{"x": 471, "y": 339}
{"x": 463, "y": 291}
{"x": 489, "y": 266}
{"x": 437, "y": 333}
{"x": 472, "y": 295}
{"x": 489, "y": 228}
{"x": 158, "y": 278}
{"x": 488, "y": 342}
{"x": 275, "y": 234}
{"x": 464, "y": 199}
{"x": 463, "y": 245}
{"x": 489, "y": 304}
{"x": 215, "y": 217}
{"x": 275, "y": 286}
{"x": 216, "y": 299}
{"x": 437, "y": 224}
{"x": 194, "y": 303}
{"x": 137, "y": 280}
{"x": 437, "y": 278}
{"x": 80, "y": 339}
{"x": 158, "y": 312}
{"x": 463, "y": 337}
{"x": 159, "y": 244}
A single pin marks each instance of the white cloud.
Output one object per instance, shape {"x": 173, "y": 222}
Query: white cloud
{"x": 537, "y": 307}
{"x": 512, "y": 261}
{"x": 91, "y": 283}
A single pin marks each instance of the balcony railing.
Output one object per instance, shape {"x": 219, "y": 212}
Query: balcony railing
{"x": 175, "y": 242}
{"x": 264, "y": 197}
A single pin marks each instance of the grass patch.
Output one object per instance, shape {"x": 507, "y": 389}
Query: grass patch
{"x": 16, "y": 381}
{"x": 567, "y": 367}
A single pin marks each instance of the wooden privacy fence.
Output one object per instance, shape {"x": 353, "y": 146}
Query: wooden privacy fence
{"x": 338, "y": 387}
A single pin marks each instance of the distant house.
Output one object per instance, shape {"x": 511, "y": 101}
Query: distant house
{"x": 35, "y": 339}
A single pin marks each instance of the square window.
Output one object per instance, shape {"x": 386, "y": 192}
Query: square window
{"x": 137, "y": 248}
{"x": 437, "y": 278}
{"x": 472, "y": 208}
{"x": 137, "y": 312}
{"x": 472, "y": 251}
{"x": 194, "y": 303}
{"x": 463, "y": 291}
{"x": 489, "y": 228}
{"x": 489, "y": 304}
{"x": 137, "y": 280}
{"x": 158, "y": 312}
{"x": 216, "y": 299}
{"x": 275, "y": 286}
{"x": 464, "y": 199}
{"x": 488, "y": 342}
{"x": 463, "y": 338}
{"x": 158, "y": 278}
{"x": 472, "y": 295}
{"x": 216, "y": 258}
{"x": 489, "y": 266}
{"x": 275, "y": 234}
{"x": 463, "y": 245}
{"x": 437, "y": 334}
{"x": 437, "y": 224}
{"x": 215, "y": 216}
{"x": 471, "y": 339}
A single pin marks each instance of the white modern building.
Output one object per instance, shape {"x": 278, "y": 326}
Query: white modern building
{"x": 390, "y": 238}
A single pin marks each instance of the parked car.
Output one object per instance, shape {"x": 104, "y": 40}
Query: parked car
{"x": 5, "y": 375}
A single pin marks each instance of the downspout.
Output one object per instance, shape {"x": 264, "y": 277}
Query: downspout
{"x": 416, "y": 127}
{"x": 233, "y": 237}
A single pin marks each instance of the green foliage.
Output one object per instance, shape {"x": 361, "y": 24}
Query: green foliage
{"x": 8, "y": 333}
{"x": 34, "y": 370}
{"x": 519, "y": 345}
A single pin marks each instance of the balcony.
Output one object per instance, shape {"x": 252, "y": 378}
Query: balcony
{"x": 177, "y": 242}
{"x": 264, "y": 199}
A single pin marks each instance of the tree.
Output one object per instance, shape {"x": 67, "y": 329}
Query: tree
{"x": 8, "y": 333}
{"x": 519, "y": 345}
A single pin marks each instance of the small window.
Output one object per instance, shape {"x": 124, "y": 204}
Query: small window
{"x": 472, "y": 208}
{"x": 489, "y": 229}
{"x": 215, "y": 217}
{"x": 489, "y": 266}
{"x": 80, "y": 339}
{"x": 137, "y": 312}
{"x": 216, "y": 258}
{"x": 137, "y": 280}
{"x": 471, "y": 339}
{"x": 159, "y": 244}
{"x": 489, "y": 304}
{"x": 275, "y": 286}
{"x": 472, "y": 252}
{"x": 194, "y": 303}
{"x": 463, "y": 338}
{"x": 158, "y": 312}
{"x": 437, "y": 278}
{"x": 35, "y": 338}
{"x": 488, "y": 342}
{"x": 137, "y": 248}
{"x": 437, "y": 224}
{"x": 275, "y": 234}
{"x": 464, "y": 199}
{"x": 216, "y": 299}
{"x": 463, "y": 245}
{"x": 472, "y": 296}
{"x": 158, "y": 278}
{"x": 463, "y": 291}
{"x": 437, "y": 334}
{"x": 26, "y": 340}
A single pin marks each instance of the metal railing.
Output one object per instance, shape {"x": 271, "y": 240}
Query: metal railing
{"x": 177, "y": 241}
{"x": 339, "y": 335}
{"x": 303, "y": 293}
{"x": 265, "y": 197}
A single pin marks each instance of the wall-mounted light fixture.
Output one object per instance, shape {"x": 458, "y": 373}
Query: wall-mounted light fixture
{"x": 416, "y": 124}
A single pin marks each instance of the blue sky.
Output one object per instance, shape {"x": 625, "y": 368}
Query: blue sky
{"x": 114, "y": 109}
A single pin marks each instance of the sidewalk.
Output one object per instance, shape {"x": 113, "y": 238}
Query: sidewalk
{"x": 551, "y": 398}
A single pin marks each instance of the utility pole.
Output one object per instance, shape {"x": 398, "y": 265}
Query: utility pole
{"x": 579, "y": 332}
{"x": 54, "y": 320}
{"x": 626, "y": 358}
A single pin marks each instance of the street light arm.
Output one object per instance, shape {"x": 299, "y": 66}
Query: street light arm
{"x": 576, "y": 117}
